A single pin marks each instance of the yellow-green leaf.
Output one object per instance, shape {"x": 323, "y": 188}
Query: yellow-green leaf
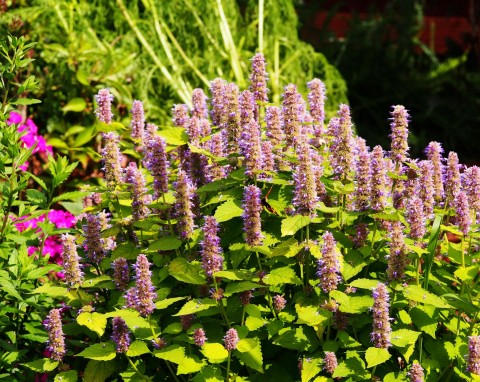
{"x": 228, "y": 210}
{"x": 185, "y": 271}
{"x": 291, "y": 224}
{"x": 137, "y": 348}
{"x": 96, "y": 322}
{"x": 214, "y": 352}
{"x": 376, "y": 356}
{"x": 250, "y": 352}
{"x": 99, "y": 352}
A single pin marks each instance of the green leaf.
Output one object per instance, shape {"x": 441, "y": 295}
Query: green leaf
{"x": 418, "y": 294}
{"x": 288, "y": 248}
{"x": 195, "y": 306}
{"x": 310, "y": 368}
{"x": 228, "y": 210}
{"x": 250, "y": 352}
{"x": 10, "y": 288}
{"x": 254, "y": 323}
{"x": 300, "y": 338}
{"x": 310, "y": 315}
{"x": 51, "y": 290}
{"x": 42, "y": 365}
{"x": 284, "y": 275}
{"x": 166, "y": 243}
{"x": 99, "y": 352}
{"x": 291, "y": 224}
{"x": 425, "y": 319}
{"x": 67, "y": 376}
{"x": 209, "y": 373}
{"x": 189, "y": 365}
{"x": 241, "y": 287}
{"x": 376, "y": 356}
{"x": 26, "y": 101}
{"x": 353, "y": 365}
{"x": 404, "y": 338}
{"x": 98, "y": 371}
{"x": 186, "y": 271}
{"x": 70, "y": 196}
{"x": 36, "y": 197}
{"x": 235, "y": 274}
{"x": 173, "y": 353}
{"x": 75, "y": 104}
{"x": 214, "y": 352}
{"x": 96, "y": 322}
{"x": 175, "y": 136}
{"x": 467, "y": 274}
{"x": 364, "y": 284}
{"x": 167, "y": 302}
{"x": 137, "y": 348}
{"x": 352, "y": 304}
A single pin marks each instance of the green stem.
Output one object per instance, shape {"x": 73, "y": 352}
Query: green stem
{"x": 261, "y": 7}
{"x": 221, "y": 306}
{"x": 136, "y": 369}
{"x": 228, "y": 365}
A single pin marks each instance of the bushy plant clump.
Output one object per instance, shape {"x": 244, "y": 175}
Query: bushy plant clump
{"x": 256, "y": 242}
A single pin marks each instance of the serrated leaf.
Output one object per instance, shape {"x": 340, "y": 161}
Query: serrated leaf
{"x": 167, "y": 302}
{"x": 70, "y": 196}
{"x": 228, "y": 210}
{"x": 310, "y": 368}
{"x": 311, "y": 315}
{"x": 175, "y": 136}
{"x": 250, "y": 352}
{"x": 254, "y": 323}
{"x": 424, "y": 319}
{"x": 99, "y": 352}
{"x": 42, "y": 365}
{"x": 404, "y": 337}
{"x": 364, "y": 284}
{"x": 209, "y": 373}
{"x": 241, "y": 286}
{"x": 66, "y": 376}
{"x": 96, "y": 322}
{"x": 173, "y": 353}
{"x": 236, "y": 274}
{"x": 284, "y": 275}
{"x": 51, "y": 290}
{"x": 195, "y": 306}
{"x": 418, "y": 294}
{"x": 467, "y": 274}
{"x": 98, "y": 371}
{"x": 300, "y": 338}
{"x": 214, "y": 352}
{"x": 353, "y": 365}
{"x": 137, "y": 348}
{"x": 291, "y": 224}
{"x": 376, "y": 356}
{"x": 189, "y": 365}
{"x": 288, "y": 248}
{"x": 97, "y": 282}
{"x": 186, "y": 271}
{"x": 352, "y": 304}
{"x": 166, "y": 243}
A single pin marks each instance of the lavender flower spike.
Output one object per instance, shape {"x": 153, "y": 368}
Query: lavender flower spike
{"x": 399, "y": 135}
{"x": 211, "y": 251}
{"x": 199, "y": 102}
{"x": 415, "y": 374}
{"x": 120, "y": 335}
{"x": 231, "y": 339}
{"x": 252, "y": 207}
{"x": 56, "y": 340}
{"x": 258, "y": 81}
{"x": 140, "y": 197}
{"x": 184, "y": 205}
{"x": 104, "y": 101}
{"x": 328, "y": 270}
{"x": 381, "y": 320}
{"x": 93, "y": 243}
{"x": 341, "y": 149}
{"x": 291, "y": 114}
{"x": 121, "y": 273}
{"x": 251, "y": 148}
{"x": 416, "y": 217}
{"x": 330, "y": 362}
{"x": 112, "y": 159}
{"x": 463, "y": 218}
{"x": 279, "y": 302}
{"x": 138, "y": 121}
{"x": 364, "y": 176}
{"x": 141, "y": 296}
{"x": 155, "y": 160}
{"x": 434, "y": 152}
{"x": 217, "y": 101}
{"x": 305, "y": 195}
{"x": 398, "y": 257}
{"x": 379, "y": 188}
{"x": 316, "y": 100}
{"x": 71, "y": 261}
{"x": 199, "y": 337}
{"x": 453, "y": 177}
{"x": 473, "y": 359}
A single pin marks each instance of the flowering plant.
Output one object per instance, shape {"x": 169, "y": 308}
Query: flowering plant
{"x": 250, "y": 241}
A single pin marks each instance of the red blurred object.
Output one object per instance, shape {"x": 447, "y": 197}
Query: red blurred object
{"x": 443, "y": 22}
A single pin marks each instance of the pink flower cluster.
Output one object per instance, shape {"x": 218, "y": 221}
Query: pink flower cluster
{"x": 30, "y": 135}
{"x": 53, "y": 244}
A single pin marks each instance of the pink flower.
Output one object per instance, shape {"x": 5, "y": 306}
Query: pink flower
{"x": 14, "y": 118}
{"x": 62, "y": 219}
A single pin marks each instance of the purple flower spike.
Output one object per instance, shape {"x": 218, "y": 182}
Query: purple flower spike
{"x": 463, "y": 218}
{"x": 381, "y": 320}
{"x": 427, "y": 190}
{"x": 217, "y": 101}
{"x": 199, "y": 337}
{"x": 292, "y": 114}
{"x": 121, "y": 273}
{"x": 341, "y": 149}
{"x": 180, "y": 115}
{"x": 399, "y": 135}
{"x": 138, "y": 121}
{"x": 251, "y": 149}
{"x": 71, "y": 261}
{"x": 328, "y": 270}
{"x": 473, "y": 358}
{"x": 362, "y": 192}
{"x": 112, "y": 158}
{"x": 199, "y": 102}
{"x": 416, "y": 217}
{"x": 330, "y": 362}
{"x": 316, "y": 99}
{"x": 252, "y": 224}
{"x": 305, "y": 195}
{"x": 453, "y": 177}
{"x": 379, "y": 194}
{"x": 415, "y": 374}
{"x": 120, "y": 335}
{"x": 232, "y": 125}
{"x": 259, "y": 78}
{"x": 140, "y": 197}
{"x": 184, "y": 205}
{"x": 104, "y": 101}
{"x": 231, "y": 339}
{"x": 211, "y": 251}
{"x": 246, "y": 107}
{"x": 141, "y": 296}
{"x": 56, "y": 339}
{"x": 216, "y": 146}
{"x": 398, "y": 257}
{"x": 279, "y": 302}
{"x": 434, "y": 152}
{"x": 93, "y": 243}
{"x": 156, "y": 162}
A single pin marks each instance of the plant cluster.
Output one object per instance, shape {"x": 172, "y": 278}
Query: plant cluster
{"x": 252, "y": 242}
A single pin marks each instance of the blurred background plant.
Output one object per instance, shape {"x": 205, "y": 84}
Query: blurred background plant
{"x": 158, "y": 52}
{"x": 387, "y": 53}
